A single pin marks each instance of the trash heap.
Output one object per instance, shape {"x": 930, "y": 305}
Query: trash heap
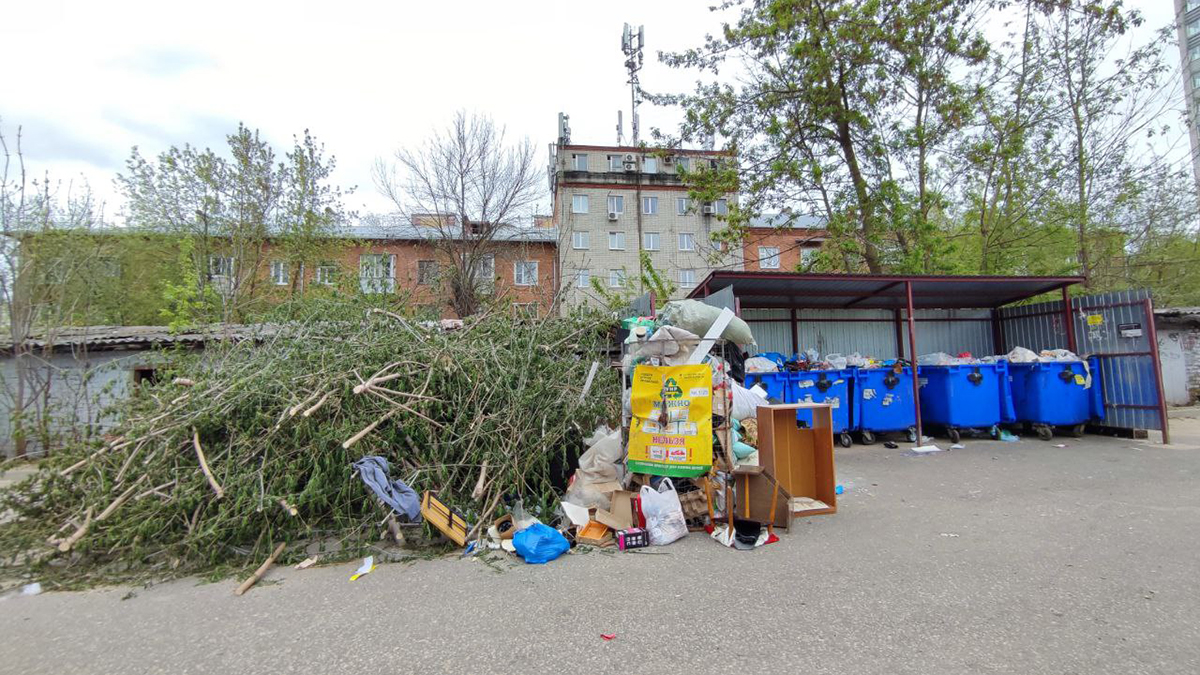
{"x": 250, "y": 445}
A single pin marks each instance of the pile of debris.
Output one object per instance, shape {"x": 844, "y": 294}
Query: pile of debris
{"x": 285, "y": 439}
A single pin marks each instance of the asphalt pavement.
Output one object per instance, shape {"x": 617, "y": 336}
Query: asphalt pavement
{"x": 997, "y": 558}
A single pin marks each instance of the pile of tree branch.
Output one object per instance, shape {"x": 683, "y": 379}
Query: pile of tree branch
{"x": 250, "y": 444}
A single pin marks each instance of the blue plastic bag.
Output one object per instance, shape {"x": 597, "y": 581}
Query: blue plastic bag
{"x": 539, "y": 544}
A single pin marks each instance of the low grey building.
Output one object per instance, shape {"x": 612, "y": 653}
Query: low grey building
{"x": 1179, "y": 351}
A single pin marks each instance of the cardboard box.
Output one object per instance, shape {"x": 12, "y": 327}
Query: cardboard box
{"x": 594, "y": 534}
{"x": 619, "y": 515}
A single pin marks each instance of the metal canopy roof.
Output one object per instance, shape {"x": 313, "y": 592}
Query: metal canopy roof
{"x": 876, "y": 291}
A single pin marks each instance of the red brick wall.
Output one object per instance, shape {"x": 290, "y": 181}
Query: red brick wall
{"x": 789, "y": 242}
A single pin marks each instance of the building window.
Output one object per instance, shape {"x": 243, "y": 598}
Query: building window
{"x": 579, "y": 162}
{"x": 616, "y": 204}
{"x": 683, "y": 163}
{"x": 1194, "y": 53}
{"x": 279, "y": 272}
{"x": 768, "y": 257}
{"x": 616, "y": 241}
{"x": 650, "y": 241}
{"x": 807, "y": 255}
{"x": 220, "y": 266}
{"x": 485, "y": 273}
{"x": 616, "y": 278}
{"x": 1192, "y": 4}
{"x": 326, "y": 272}
{"x": 377, "y": 273}
{"x": 1193, "y": 28}
{"x": 583, "y": 278}
{"x": 579, "y": 203}
{"x": 687, "y": 278}
{"x": 649, "y": 206}
{"x": 427, "y": 272}
{"x": 580, "y": 240}
{"x": 722, "y": 207}
{"x": 682, "y": 205}
{"x": 650, "y": 165}
{"x": 616, "y": 162}
{"x": 525, "y": 273}
{"x": 687, "y": 241}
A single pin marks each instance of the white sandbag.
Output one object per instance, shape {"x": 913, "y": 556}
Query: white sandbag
{"x": 601, "y": 462}
{"x": 1022, "y": 355}
{"x": 746, "y": 401}
{"x": 697, "y": 317}
{"x": 761, "y": 364}
{"x": 672, "y": 344}
{"x": 664, "y": 514}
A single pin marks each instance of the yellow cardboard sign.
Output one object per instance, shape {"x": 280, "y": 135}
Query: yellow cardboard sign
{"x": 678, "y": 443}
{"x": 1095, "y": 319}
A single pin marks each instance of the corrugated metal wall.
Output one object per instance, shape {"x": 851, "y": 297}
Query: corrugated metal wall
{"x": 955, "y": 335}
{"x": 1128, "y": 380}
{"x": 870, "y": 332}
{"x": 771, "y": 336}
{"x": 874, "y": 337}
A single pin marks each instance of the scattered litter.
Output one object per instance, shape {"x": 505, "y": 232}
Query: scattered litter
{"x": 949, "y": 534}
{"x": 449, "y": 522}
{"x": 1008, "y": 437}
{"x": 922, "y": 449}
{"x": 1060, "y": 445}
{"x": 957, "y": 446}
{"x": 608, "y": 637}
{"x": 801, "y": 504}
{"x": 890, "y": 445}
{"x": 839, "y": 490}
{"x": 306, "y": 563}
{"x": 32, "y": 589}
{"x": 578, "y": 515}
{"x": 634, "y": 537}
{"x": 368, "y": 566}
{"x": 470, "y": 550}
{"x": 373, "y": 470}
{"x": 539, "y": 544}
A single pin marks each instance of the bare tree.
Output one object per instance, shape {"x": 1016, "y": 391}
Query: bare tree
{"x": 470, "y": 188}
{"x": 46, "y": 247}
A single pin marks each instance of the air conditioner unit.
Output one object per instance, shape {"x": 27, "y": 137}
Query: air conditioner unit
{"x": 629, "y": 158}
{"x": 613, "y": 215}
{"x": 708, "y": 209}
{"x": 630, "y": 167}
{"x": 669, "y": 159}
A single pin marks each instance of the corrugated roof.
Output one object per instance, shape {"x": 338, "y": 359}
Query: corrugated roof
{"x": 129, "y": 337}
{"x": 876, "y": 291}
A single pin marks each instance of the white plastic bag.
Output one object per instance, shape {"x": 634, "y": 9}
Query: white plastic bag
{"x": 761, "y": 364}
{"x": 836, "y": 361}
{"x": 664, "y": 514}
{"x": 746, "y": 401}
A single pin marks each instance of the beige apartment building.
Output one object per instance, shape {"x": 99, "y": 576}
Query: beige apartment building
{"x": 612, "y": 202}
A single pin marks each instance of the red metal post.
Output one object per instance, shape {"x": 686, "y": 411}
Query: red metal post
{"x": 899, "y": 334}
{"x": 1152, "y": 335}
{"x": 795, "y": 334}
{"x": 1069, "y": 318}
{"x": 912, "y": 349}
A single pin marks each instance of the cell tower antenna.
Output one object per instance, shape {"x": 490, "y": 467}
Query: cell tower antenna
{"x": 631, "y": 44}
{"x": 620, "y": 130}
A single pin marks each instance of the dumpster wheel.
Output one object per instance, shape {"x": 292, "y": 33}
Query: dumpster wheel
{"x": 1078, "y": 429}
{"x": 994, "y": 432}
{"x": 1044, "y": 432}
{"x": 911, "y": 434}
{"x": 845, "y": 439}
{"x": 954, "y": 435}
{"x": 867, "y": 437}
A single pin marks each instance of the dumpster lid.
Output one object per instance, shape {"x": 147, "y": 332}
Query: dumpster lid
{"x": 876, "y": 291}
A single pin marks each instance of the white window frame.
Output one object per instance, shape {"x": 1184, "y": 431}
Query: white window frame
{"x": 377, "y": 273}
{"x": 616, "y": 240}
{"x": 721, "y": 206}
{"x": 768, "y": 257}
{"x": 652, "y": 241}
{"x": 616, "y": 278}
{"x": 579, "y": 204}
{"x": 525, "y": 273}
{"x": 485, "y": 273}
{"x": 325, "y": 274}
{"x": 618, "y": 201}
{"x": 682, "y": 205}
{"x": 581, "y": 240}
{"x": 423, "y": 280}
{"x": 687, "y": 278}
{"x": 279, "y": 272}
{"x": 579, "y": 162}
{"x": 688, "y": 238}
{"x": 807, "y": 253}
{"x": 683, "y": 164}
{"x": 583, "y": 278}
{"x": 652, "y": 202}
{"x": 649, "y": 165}
{"x": 220, "y": 266}
{"x": 616, "y": 162}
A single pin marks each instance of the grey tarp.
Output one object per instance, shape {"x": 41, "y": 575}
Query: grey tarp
{"x": 374, "y": 471}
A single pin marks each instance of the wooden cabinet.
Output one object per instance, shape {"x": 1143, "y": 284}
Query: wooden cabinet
{"x": 801, "y": 460}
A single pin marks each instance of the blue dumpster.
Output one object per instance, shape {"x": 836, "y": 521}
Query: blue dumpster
{"x": 776, "y": 384}
{"x": 969, "y": 396}
{"x": 883, "y": 401}
{"x": 834, "y": 387}
{"x": 1056, "y": 394}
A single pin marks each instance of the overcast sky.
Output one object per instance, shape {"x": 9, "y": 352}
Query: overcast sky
{"x": 89, "y": 80}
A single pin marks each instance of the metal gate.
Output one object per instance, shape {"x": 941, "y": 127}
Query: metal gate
{"x": 1118, "y": 328}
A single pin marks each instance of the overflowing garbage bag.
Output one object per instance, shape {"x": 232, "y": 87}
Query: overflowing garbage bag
{"x": 539, "y": 544}
{"x": 664, "y": 513}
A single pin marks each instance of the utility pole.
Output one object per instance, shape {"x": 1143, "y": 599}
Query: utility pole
{"x": 632, "y": 44}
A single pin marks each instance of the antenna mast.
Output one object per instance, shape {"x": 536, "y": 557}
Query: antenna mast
{"x": 631, "y": 44}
